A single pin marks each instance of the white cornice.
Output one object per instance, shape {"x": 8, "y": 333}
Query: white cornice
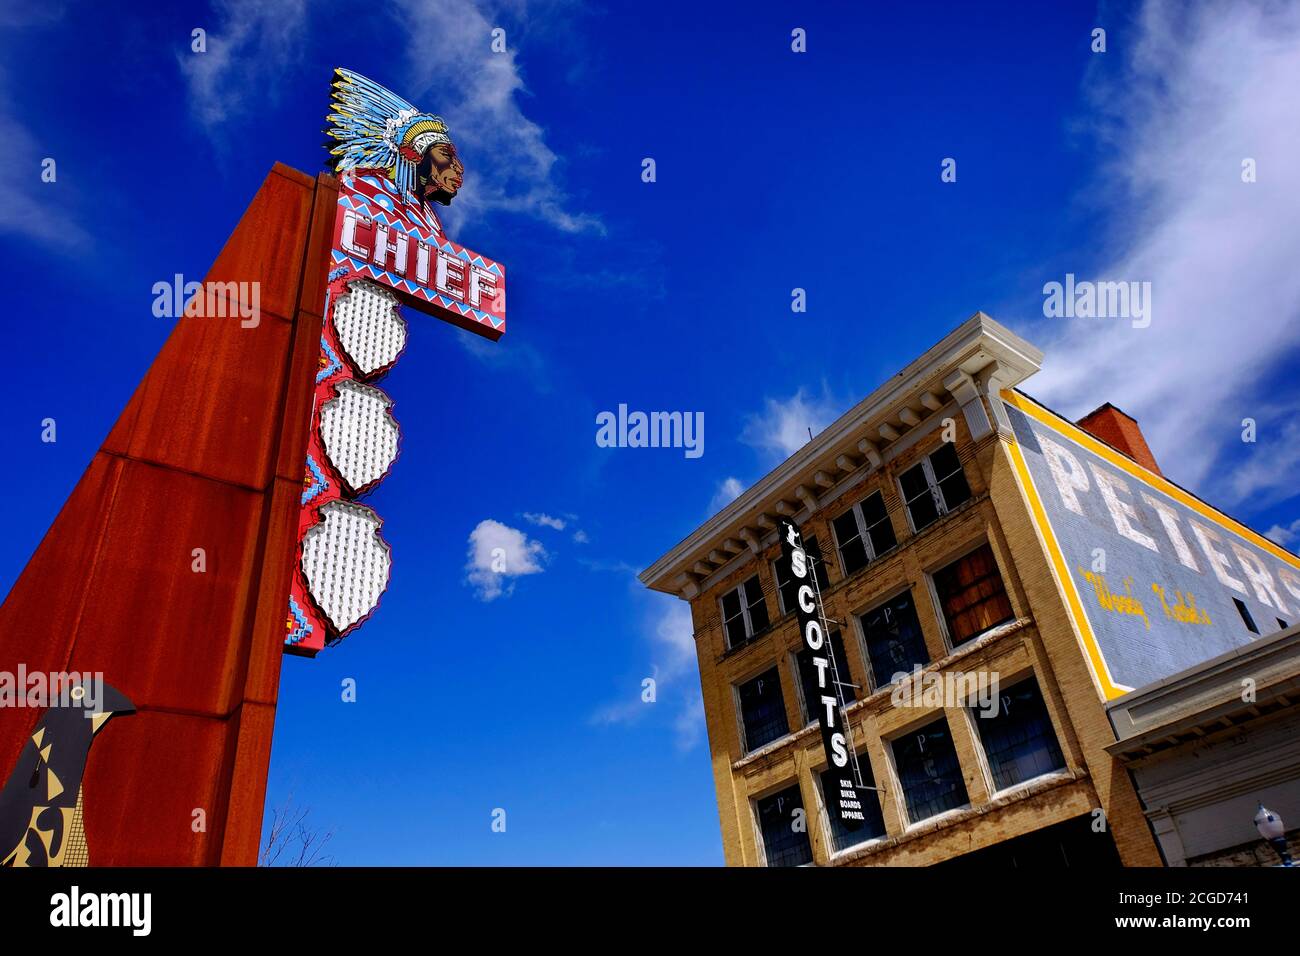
{"x": 970, "y": 348}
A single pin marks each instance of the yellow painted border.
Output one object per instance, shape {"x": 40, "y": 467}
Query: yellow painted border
{"x": 1083, "y": 627}
{"x": 1080, "y": 437}
{"x": 1105, "y": 683}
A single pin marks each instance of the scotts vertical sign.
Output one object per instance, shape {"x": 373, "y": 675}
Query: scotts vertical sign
{"x": 394, "y": 163}
{"x": 846, "y": 801}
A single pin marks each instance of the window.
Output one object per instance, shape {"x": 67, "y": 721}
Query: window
{"x": 786, "y": 588}
{"x": 928, "y": 771}
{"x": 784, "y": 843}
{"x": 762, "y": 710}
{"x": 1018, "y": 740}
{"x": 812, "y": 698}
{"x": 934, "y": 486}
{"x": 971, "y": 595}
{"x": 864, "y": 533}
{"x": 744, "y": 612}
{"x": 1282, "y": 624}
{"x": 893, "y": 639}
{"x": 1245, "y": 615}
{"x": 873, "y": 827}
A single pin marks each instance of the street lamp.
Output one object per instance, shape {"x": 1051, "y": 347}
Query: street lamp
{"x": 1271, "y": 828}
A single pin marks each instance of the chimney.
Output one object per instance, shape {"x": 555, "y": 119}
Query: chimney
{"x": 1121, "y": 432}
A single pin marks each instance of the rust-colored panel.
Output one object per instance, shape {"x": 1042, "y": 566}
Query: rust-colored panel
{"x": 319, "y": 243}
{"x": 210, "y": 401}
{"x": 252, "y": 762}
{"x": 272, "y": 608}
{"x": 166, "y": 635}
{"x": 112, "y": 587}
{"x": 291, "y": 461}
{"x": 147, "y": 774}
{"x": 267, "y": 246}
{"x": 36, "y": 627}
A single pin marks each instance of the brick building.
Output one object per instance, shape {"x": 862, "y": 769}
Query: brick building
{"x": 964, "y": 550}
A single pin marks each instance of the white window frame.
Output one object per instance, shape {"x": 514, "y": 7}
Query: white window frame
{"x": 744, "y": 611}
{"x": 745, "y": 749}
{"x": 936, "y": 493}
{"x": 861, "y": 522}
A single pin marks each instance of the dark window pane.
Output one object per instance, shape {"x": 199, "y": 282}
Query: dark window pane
{"x": 972, "y": 595}
{"x": 929, "y": 772}
{"x": 913, "y": 482}
{"x": 786, "y": 584}
{"x": 852, "y": 551}
{"x": 812, "y": 705}
{"x": 893, "y": 638}
{"x": 872, "y": 827}
{"x": 949, "y": 476}
{"x": 944, "y": 461}
{"x": 1019, "y": 739}
{"x": 762, "y": 710}
{"x": 784, "y": 843}
{"x": 814, "y": 550}
{"x": 736, "y": 632}
{"x": 918, "y": 496}
{"x": 1245, "y": 615}
{"x": 879, "y": 528}
{"x": 733, "y": 618}
{"x": 758, "y": 618}
{"x": 731, "y": 604}
{"x": 954, "y": 490}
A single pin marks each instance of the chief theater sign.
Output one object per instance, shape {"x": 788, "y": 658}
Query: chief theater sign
{"x": 223, "y": 522}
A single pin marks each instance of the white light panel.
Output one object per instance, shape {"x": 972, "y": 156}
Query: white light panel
{"x": 346, "y": 563}
{"x": 369, "y": 327}
{"x": 359, "y": 433}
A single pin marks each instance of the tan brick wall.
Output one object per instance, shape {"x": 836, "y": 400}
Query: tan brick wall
{"x": 1041, "y": 641}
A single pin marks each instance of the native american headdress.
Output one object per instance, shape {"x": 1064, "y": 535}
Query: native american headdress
{"x": 377, "y": 129}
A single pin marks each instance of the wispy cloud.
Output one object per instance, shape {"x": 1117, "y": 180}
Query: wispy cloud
{"x": 544, "y": 520}
{"x": 31, "y": 207}
{"x": 498, "y": 554}
{"x": 1202, "y": 88}
{"x": 454, "y": 72}
{"x": 671, "y": 636}
{"x": 781, "y": 429}
{"x": 248, "y": 49}
{"x": 727, "y": 492}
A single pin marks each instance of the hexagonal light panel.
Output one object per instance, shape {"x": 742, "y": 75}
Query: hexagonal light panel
{"x": 369, "y": 327}
{"x": 359, "y": 434}
{"x": 346, "y": 563}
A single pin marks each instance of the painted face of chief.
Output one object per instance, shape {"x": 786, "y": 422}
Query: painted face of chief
{"x": 441, "y": 174}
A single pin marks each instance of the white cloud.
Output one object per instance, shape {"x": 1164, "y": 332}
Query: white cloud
{"x": 248, "y": 49}
{"x": 544, "y": 520}
{"x": 580, "y": 537}
{"x": 499, "y": 553}
{"x": 727, "y": 492}
{"x": 1285, "y": 535}
{"x": 781, "y": 429}
{"x": 671, "y": 632}
{"x": 1202, "y": 89}
{"x": 453, "y": 72}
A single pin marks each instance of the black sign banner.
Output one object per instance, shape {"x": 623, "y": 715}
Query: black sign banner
{"x": 845, "y": 802}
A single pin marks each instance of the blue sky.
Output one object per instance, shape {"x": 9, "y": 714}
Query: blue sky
{"x": 775, "y": 170}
